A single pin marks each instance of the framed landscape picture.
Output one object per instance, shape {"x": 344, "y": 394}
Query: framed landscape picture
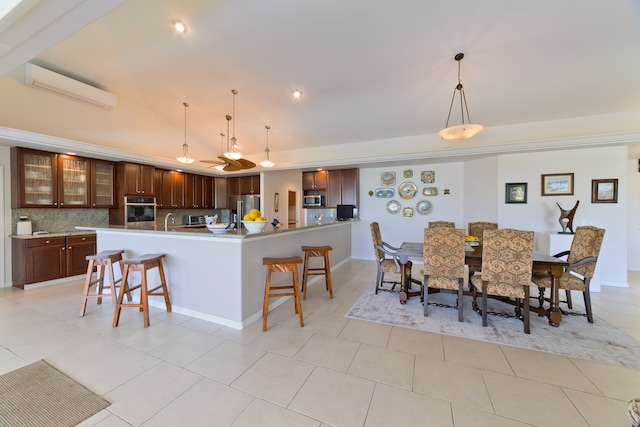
{"x": 516, "y": 192}
{"x": 557, "y": 184}
{"x": 604, "y": 191}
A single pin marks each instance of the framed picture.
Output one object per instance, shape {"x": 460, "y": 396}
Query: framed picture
{"x": 557, "y": 184}
{"x": 515, "y": 192}
{"x": 604, "y": 191}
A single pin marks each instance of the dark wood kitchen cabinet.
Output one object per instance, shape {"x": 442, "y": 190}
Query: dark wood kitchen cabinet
{"x": 194, "y": 195}
{"x": 208, "y": 192}
{"x": 342, "y": 187}
{"x": 78, "y": 248}
{"x": 173, "y": 189}
{"x": 250, "y": 185}
{"x": 41, "y": 259}
{"x": 157, "y": 183}
{"x": 135, "y": 179}
{"x": 233, "y": 186}
{"x": 43, "y": 179}
{"x": 103, "y": 184}
{"x": 316, "y": 180}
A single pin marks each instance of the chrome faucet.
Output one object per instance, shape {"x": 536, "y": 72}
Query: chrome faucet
{"x": 166, "y": 221}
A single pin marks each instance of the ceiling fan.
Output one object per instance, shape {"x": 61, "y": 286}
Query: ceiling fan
{"x": 232, "y": 158}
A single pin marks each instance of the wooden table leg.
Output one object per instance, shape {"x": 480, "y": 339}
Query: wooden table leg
{"x": 554, "y": 313}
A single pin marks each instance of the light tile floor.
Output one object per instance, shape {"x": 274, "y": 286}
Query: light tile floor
{"x": 334, "y": 371}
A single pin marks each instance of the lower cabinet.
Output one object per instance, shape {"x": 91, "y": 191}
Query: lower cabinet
{"x": 49, "y": 258}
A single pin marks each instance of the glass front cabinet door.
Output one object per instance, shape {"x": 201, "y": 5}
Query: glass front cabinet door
{"x": 36, "y": 184}
{"x": 73, "y": 181}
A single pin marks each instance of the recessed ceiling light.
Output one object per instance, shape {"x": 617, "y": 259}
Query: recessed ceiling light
{"x": 297, "y": 93}
{"x": 180, "y": 26}
{"x": 71, "y": 153}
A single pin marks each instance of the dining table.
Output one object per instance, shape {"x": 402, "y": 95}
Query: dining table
{"x": 473, "y": 257}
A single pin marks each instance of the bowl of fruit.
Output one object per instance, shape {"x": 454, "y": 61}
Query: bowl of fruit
{"x": 254, "y": 222}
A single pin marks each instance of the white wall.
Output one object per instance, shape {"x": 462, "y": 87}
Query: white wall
{"x": 541, "y": 213}
{"x": 477, "y": 193}
{"x": 394, "y": 227}
{"x": 632, "y": 200}
{"x": 5, "y": 217}
{"x": 280, "y": 182}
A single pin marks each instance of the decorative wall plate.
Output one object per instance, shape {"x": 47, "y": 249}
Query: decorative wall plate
{"x": 424, "y": 207}
{"x": 393, "y": 206}
{"x": 408, "y": 173}
{"x": 407, "y": 212}
{"x": 407, "y": 190}
{"x": 430, "y": 191}
{"x": 388, "y": 178}
{"x": 385, "y": 193}
{"x": 428, "y": 177}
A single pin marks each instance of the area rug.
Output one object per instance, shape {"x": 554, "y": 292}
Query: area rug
{"x": 575, "y": 337}
{"x": 40, "y": 395}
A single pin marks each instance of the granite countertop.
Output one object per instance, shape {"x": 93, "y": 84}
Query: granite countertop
{"x": 202, "y": 231}
{"x": 52, "y": 234}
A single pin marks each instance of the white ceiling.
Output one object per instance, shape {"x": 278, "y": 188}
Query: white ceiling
{"x": 369, "y": 70}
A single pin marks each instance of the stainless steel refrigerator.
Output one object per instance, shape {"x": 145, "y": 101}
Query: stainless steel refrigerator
{"x": 241, "y": 205}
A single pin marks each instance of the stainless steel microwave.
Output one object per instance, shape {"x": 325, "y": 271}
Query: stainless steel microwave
{"x": 313, "y": 201}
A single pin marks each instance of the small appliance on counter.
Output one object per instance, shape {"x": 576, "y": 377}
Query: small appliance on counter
{"x": 23, "y": 226}
{"x": 193, "y": 220}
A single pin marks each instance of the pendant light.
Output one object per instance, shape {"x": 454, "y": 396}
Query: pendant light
{"x": 267, "y": 163}
{"x": 184, "y": 158}
{"x": 233, "y": 151}
{"x": 466, "y": 130}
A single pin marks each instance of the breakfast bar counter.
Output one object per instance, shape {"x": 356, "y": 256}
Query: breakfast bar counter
{"x": 220, "y": 277}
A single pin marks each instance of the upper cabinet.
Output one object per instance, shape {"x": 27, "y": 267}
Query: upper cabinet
{"x": 193, "y": 191}
{"x": 103, "y": 175}
{"x": 316, "y": 180}
{"x": 250, "y": 185}
{"x": 342, "y": 187}
{"x": 172, "y": 189}
{"x": 135, "y": 179}
{"x": 44, "y": 179}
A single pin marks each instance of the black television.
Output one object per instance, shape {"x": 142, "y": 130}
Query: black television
{"x": 344, "y": 212}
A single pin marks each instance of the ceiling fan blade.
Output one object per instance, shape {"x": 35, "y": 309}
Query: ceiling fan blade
{"x": 229, "y": 161}
{"x": 231, "y": 168}
{"x": 246, "y": 164}
{"x": 214, "y": 162}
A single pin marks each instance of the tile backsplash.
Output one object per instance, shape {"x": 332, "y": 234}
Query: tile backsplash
{"x": 60, "y": 220}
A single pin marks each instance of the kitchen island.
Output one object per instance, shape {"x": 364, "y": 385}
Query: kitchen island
{"x": 220, "y": 277}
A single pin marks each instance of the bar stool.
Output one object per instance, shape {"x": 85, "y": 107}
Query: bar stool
{"x": 102, "y": 261}
{"x": 282, "y": 265}
{"x": 142, "y": 264}
{"x": 325, "y": 270}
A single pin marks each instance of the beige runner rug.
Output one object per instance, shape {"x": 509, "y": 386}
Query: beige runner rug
{"x": 39, "y": 395}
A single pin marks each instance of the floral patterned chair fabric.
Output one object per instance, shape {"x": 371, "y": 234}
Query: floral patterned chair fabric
{"x": 582, "y": 258}
{"x": 387, "y": 258}
{"x": 507, "y": 262}
{"x": 449, "y": 224}
{"x": 444, "y": 266}
{"x": 477, "y": 228}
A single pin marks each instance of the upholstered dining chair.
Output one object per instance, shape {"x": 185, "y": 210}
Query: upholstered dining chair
{"x": 507, "y": 263}
{"x": 433, "y": 224}
{"x": 387, "y": 259}
{"x": 477, "y": 228}
{"x": 582, "y": 258}
{"x": 443, "y": 263}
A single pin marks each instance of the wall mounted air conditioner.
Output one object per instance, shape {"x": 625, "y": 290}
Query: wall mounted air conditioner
{"x": 50, "y": 81}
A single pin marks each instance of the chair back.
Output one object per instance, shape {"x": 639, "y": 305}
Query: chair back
{"x": 433, "y": 224}
{"x": 507, "y": 256}
{"x": 586, "y": 244}
{"x": 377, "y": 241}
{"x": 444, "y": 252}
{"x": 477, "y": 228}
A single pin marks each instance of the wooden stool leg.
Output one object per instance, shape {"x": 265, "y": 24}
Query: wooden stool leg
{"x": 305, "y": 275}
{"x": 265, "y": 307}
{"x": 144, "y": 297}
{"x": 327, "y": 269}
{"x": 124, "y": 288}
{"x": 85, "y": 291}
{"x": 114, "y": 293}
{"x": 163, "y": 283}
{"x": 296, "y": 296}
